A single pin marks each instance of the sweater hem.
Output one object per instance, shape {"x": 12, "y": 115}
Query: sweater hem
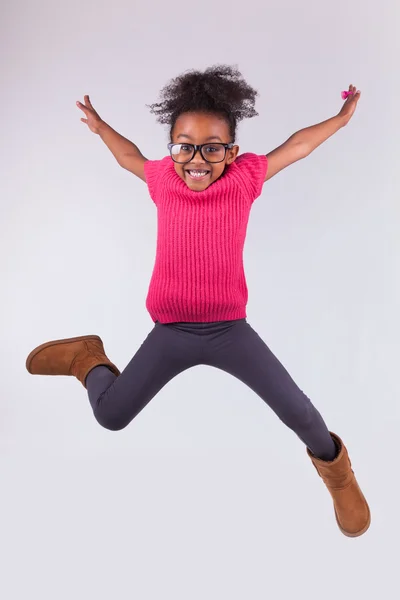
{"x": 188, "y": 317}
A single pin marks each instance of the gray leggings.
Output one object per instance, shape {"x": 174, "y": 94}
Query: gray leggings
{"x": 232, "y": 346}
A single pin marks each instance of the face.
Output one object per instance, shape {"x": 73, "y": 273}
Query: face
{"x": 199, "y": 128}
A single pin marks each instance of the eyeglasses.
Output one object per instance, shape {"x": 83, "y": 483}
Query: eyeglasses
{"x": 211, "y": 153}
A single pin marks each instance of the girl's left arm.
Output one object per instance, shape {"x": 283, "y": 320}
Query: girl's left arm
{"x": 305, "y": 141}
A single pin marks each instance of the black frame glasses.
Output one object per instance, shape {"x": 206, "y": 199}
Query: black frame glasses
{"x": 199, "y": 148}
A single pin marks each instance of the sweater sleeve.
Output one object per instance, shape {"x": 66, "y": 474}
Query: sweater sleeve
{"x": 252, "y": 169}
{"x": 154, "y": 171}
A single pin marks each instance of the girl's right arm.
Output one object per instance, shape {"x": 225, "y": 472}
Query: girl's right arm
{"x": 125, "y": 152}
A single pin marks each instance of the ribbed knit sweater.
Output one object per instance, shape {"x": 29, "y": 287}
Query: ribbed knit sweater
{"x": 198, "y": 274}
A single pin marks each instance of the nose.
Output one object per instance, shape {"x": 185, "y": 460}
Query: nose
{"x": 198, "y": 158}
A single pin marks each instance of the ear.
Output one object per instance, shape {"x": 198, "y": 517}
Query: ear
{"x": 232, "y": 155}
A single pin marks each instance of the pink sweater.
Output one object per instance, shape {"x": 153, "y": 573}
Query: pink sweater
{"x": 198, "y": 274}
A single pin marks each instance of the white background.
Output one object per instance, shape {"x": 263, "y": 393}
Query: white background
{"x": 206, "y": 494}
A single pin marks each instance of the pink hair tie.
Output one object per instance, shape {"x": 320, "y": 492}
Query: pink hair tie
{"x": 346, "y": 95}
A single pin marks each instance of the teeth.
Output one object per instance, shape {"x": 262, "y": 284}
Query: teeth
{"x": 197, "y": 173}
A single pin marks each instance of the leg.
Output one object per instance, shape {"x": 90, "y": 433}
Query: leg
{"x": 117, "y": 400}
{"x": 241, "y": 352}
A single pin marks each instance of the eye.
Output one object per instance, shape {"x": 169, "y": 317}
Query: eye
{"x": 214, "y": 152}
{"x": 181, "y": 149}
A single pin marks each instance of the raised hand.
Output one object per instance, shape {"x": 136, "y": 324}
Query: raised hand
{"x": 351, "y": 103}
{"x": 92, "y": 120}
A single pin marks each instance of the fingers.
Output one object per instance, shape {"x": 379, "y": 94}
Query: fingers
{"x": 84, "y": 121}
{"x": 82, "y": 107}
{"x": 87, "y": 106}
{"x": 355, "y": 94}
{"x": 87, "y": 101}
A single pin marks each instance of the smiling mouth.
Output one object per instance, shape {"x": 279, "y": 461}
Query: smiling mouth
{"x": 197, "y": 174}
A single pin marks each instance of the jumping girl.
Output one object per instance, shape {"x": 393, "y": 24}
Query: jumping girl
{"x": 204, "y": 190}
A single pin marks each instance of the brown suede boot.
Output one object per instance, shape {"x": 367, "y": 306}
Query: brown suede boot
{"x": 73, "y": 356}
{"x": 351, "y": 508}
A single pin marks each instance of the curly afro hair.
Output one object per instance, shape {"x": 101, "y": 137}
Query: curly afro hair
{"x": 218, "y": 90}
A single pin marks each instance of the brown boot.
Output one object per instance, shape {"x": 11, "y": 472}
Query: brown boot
{"x": 74, "y": 356}
{"x": 351, "y": 508}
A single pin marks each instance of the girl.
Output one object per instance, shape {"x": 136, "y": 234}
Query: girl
{"x": 203, "y": 191}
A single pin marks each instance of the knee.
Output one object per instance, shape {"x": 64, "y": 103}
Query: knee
{"x": 110, "y": 421}
{"x": 302, "y": 415}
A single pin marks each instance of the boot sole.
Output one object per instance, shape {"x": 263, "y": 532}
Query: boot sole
{"x": 56, "y": 343}
{"x": 358, "y": 533}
